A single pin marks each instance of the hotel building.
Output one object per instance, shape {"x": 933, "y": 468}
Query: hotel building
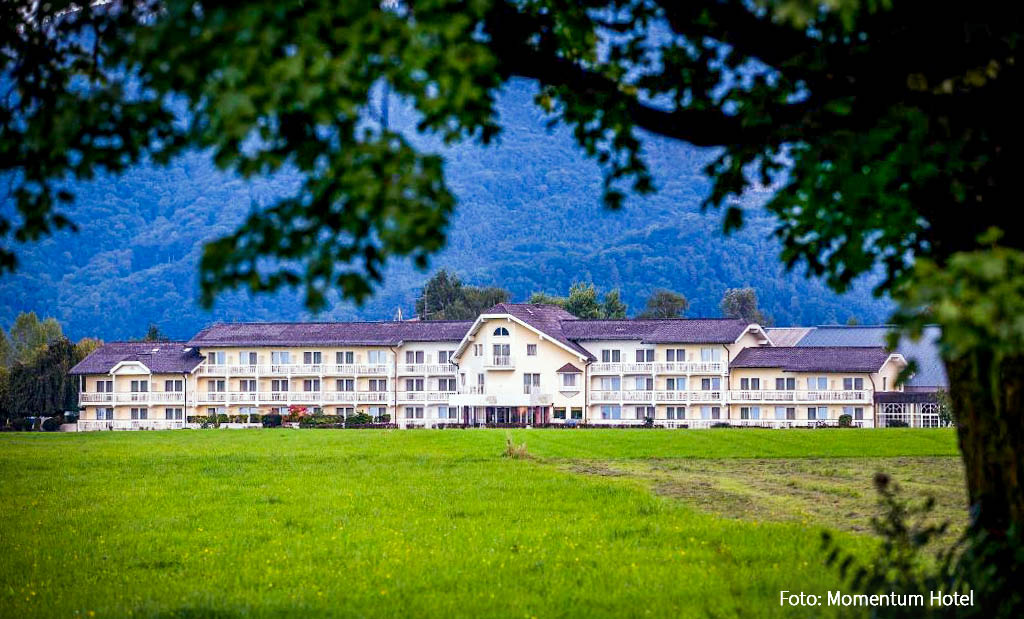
{"x": 515, "y": 364}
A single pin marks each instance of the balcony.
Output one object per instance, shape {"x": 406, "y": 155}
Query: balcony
{"x": 500, "y": 362}
{"x": 134, "y": 397}
{"x": 859, "y": 396}
{"x": 297, "y": 369}
{"x": 670, "y": 367}
{"x": 412, "y": 396}
{"x": 91, "y": 425}
{"x": 649, "y": 396}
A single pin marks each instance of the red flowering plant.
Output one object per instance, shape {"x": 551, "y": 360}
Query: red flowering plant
{"x": 296, "y": 413}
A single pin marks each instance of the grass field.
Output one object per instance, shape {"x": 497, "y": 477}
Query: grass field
{"x": 436, "y": 523}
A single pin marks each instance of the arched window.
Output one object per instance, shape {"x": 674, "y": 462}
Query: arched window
{"x": 501, "y": 331}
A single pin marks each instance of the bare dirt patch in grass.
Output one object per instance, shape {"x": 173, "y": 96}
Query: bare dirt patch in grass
{"x": 832, "y": 492}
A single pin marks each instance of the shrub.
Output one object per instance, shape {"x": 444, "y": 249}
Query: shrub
{"x": 21, "y": 424}
{"x": 273, "y": 420}
{"x": 204, "y": 421}
{"x": 71, "y": 418}
{"x": 51, "y": 424}
{"x": 358, "y": 419}
{"x": 514, "y": 451}
{"x": 897, "y": 423}
{"x": 845, "y": 421}
{"x": 721, "y": 424}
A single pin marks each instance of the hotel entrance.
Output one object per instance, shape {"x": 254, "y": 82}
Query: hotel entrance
{"x": 506, "y": 415}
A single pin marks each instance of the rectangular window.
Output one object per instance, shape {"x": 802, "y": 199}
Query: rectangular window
{"x": 644, "y": 412}
{"x": 610, "y": 383}
{"x": 817, "y": 383}
{"x": 611, "y": 356}
{"x": 710, "y": 384}
{"x": 378, "y": 384}
{"x": 279, "y": 384}
{"x": 312, "y": 358}
{"x": 248, "y": 358}
{"x": 414, "y": 356}
{"x": 531, "y": 383}
{"x": 216, "y": 358}
{"x": 480, "y": 380}
{"x": 750, "y": 384}
{"x": 570, "y": 380}
{"x": 531, "y": 350}
{"x": 105, "y": 414}
{"x": 344, "y": 411}
{"x": 478, "y": 350}
{"x": 446, "y": 384}
{"x": 576, "y": 413}
{"x": 643, "y": 383}
{"x": 104, "y": 386}
{"x": 785, "y": 384}
{"x": 173, "y": 414}
{"x": 819, "y": 413}
{"x": 247, "y": 385}
{"x": 344, "y": 357}
{"x": 675, "y": 354}
{"x": 675, "y": 412}
{"x": 676, "y": 384}
{"x": 443, "y": 356}
{"x": 311, "y": 384}
{"x": 645, "y": 355}
{"x": 216, "y": 386}
{"x": 174, "y": 386}
{"x": 280, "y": 357}
{"x": 414, "y": 412}
{"x": 611, "y": 411}
{"x": 559, "y": 413}
{"x": 851, "y": 384}
{"x": 710, "y": 354}
{"x": 377, "y": 357}
{"x": 140, "y": 413}
{"x": 855, "y": 412}
{"x": 345, "y": 384}
{"x": 140, "y": 386}
{"x": 710, "y": 412}
{"x": 750, "y": 412}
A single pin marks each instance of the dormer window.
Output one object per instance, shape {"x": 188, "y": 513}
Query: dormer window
{"x": 501, "y": 331}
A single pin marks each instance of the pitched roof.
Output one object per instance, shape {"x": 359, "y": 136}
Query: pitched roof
{"x": 931, "y": 372}
{"x": 159, "y": 357}
{"x": 813, "y": 358}
{"x": 568, "y": 368}
{"x": 550, "y": 320}
{"x": 330, "y": 333}
{"x": 787, "y": 336}
{"x": 657, "y": 331}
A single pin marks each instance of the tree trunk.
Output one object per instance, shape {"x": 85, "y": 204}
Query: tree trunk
{"x": 987, "y": 397}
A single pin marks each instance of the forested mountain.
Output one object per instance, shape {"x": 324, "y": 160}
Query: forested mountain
{"x": 529, "y": 219}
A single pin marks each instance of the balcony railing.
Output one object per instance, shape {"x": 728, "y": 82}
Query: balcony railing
{"x": 780, "y": 395}
{"x": 663, "y": 367}
{"x": 298, "y": 369}
{"x": 648, "y": 396}
{"x": 501, "y": 362}
{"x": 134, "y": 397}
{"x": 90, "y": 425}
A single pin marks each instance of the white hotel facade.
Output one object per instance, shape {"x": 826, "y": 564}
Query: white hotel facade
{"x": 515, "y": 364}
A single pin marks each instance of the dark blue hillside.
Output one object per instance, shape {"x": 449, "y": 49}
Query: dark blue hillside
{"x": 529, "y": 219}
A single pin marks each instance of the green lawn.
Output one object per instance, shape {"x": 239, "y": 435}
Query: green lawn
{"x": 221, "y": 523}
